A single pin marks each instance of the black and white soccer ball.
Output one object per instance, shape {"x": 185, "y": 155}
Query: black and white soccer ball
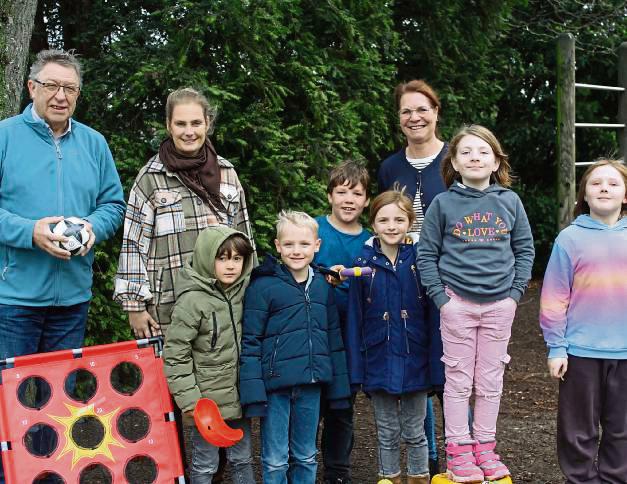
{"x": 74, "y": 229}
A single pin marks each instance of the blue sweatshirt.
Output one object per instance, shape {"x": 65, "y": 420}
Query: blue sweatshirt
{"x": 584, "y": 295}
{"x": 338, "y": 248}
{"x": 41, "y": 177}
{"x": 478, "y": 243}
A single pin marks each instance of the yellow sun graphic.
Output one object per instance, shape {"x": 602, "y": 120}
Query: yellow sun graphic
{"x": 79, "y": 452}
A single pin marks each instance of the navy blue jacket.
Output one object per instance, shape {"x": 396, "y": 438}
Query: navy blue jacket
{"x": 396, "y": 168}
{"x": 393, "y": 331}
{"x": 291, "y": 336}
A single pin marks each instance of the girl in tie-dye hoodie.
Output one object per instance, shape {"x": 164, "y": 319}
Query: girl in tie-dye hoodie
{"x": 583, "y": 314}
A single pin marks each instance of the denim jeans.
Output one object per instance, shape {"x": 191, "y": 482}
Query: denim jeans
{"x": 288, "y": 435}
{"x": 25, "y": 330}
{"x": 337, "y": 440}
{"x": 474, "y": 337}
{"x": 205, "y": 457}
{"x": 396, "y": 417}
{"x": 432, "y": 443}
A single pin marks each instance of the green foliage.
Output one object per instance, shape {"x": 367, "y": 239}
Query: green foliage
{"x": 302, "y": 84}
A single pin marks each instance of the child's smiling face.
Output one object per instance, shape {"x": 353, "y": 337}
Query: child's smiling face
{"x": 605, "y": 193}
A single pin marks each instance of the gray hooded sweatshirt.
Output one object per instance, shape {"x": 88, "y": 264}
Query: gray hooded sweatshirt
{"x": 476, "y": 242}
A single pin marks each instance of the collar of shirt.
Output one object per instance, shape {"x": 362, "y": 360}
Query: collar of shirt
{"x": 37, "y": 117}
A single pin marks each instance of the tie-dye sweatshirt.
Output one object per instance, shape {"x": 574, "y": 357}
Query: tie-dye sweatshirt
{"x": 583, "y": 308}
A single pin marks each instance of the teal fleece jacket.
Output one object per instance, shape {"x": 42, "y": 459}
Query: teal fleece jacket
{"x": 74, "y": 175}
{"x": 476, "y": 242}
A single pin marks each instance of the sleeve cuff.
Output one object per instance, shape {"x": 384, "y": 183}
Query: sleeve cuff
{"x": 515, "y": 294}
{"x": 558, "y": 352}
{"x": 133, "y": 306}
{"x": 441, "y": 299}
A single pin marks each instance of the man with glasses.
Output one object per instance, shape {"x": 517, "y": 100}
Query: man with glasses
{"x": 51, "y": 167}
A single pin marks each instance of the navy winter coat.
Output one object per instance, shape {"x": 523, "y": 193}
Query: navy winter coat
{"x": 291, "y": 336}
{"x": 393, "y": 330}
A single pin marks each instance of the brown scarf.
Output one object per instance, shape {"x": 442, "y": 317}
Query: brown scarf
{"x": 200, "y": 173}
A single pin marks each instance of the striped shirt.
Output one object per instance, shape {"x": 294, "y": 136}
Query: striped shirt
{"x": 419, "y": 164}
{"x": 163, "y": 220}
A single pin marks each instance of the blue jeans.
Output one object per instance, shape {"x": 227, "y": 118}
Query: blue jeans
{"x": 404, "y": 421}
{"x": 25, "y": 330}
{"x": 205, "y": 458}
{"x": 430, "y": 431}
{"x": 288, "y": 435}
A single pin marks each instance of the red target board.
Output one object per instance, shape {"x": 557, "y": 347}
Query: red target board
{"x": 98, "y": 414}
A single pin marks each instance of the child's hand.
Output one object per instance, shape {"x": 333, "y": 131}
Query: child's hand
{"x": 332, "y": 280}
{"x": 557, "y": 367}
{"x": 190, "y": 414}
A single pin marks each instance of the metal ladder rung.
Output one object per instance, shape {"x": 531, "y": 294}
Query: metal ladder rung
{"x": 598, "y": 125}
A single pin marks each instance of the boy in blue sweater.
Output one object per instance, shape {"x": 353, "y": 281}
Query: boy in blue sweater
{"x": 342, "y": 238}
{"x": 292, "y": 350}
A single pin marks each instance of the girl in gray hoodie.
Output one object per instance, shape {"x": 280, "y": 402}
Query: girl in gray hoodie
{"x": 475, "y": 257}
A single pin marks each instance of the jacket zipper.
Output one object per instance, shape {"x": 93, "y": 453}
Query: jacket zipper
{"x": 236, "y": 341}
{"x": 57, "y": 146}
{"x": 413, "y": 271}
{"x": 214, "y": 337}
{"x": 369, "y": 298}
{"x": 404, "y": 316}
{"x": 308, "y": 308}
{"x": 386, "y": 318}
{"x": 274, "y": 350}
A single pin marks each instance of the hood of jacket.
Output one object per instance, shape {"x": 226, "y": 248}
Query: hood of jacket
{"x": 469, "y": 192}
{"x": 587, "y": 222}
{"x": 199, "y": 274}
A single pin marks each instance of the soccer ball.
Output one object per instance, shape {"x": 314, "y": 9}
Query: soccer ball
{"x": 74, "y": 229}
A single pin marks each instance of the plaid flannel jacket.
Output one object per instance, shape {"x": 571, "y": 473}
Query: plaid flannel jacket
{"x": 163, "y": 219}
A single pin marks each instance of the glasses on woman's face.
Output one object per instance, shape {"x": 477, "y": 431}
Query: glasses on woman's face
{"x": 420, "y": 111}
{"x": 52, "y": 88}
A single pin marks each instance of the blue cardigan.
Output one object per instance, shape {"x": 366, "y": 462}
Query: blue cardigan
{"x": 290, "y": 336}
{"x": 392, "y": 336}
{"x": 396, "y": 168}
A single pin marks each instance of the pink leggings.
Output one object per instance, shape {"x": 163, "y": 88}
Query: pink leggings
{"x": 475, "y": 338}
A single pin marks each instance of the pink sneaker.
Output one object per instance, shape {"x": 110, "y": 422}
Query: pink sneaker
{"x": 460, "y": 462}
{"x": 489, "y": 462}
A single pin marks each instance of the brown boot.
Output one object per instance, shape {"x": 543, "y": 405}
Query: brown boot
{"x": 421, "y": 479}
{"x": 393, "y": 480}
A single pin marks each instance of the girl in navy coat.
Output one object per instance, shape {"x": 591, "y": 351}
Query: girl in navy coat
{"x": 392, "y": 338}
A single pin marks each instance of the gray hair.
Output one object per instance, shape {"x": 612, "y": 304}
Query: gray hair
{"x": 62, "y": 57}
{"x": 187, "y": 95}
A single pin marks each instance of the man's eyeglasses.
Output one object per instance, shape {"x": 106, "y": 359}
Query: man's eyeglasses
{"x": 53, "y": 88}
{"x": 421, "y": 111}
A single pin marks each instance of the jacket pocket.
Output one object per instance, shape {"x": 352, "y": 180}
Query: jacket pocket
{"x": 5, "y": 261}
{"x": 275, "y": 348}
{"x": 214, "y": 335}
{"x": 230, "y": 198}
{"x": 169, "y": 215}
{"x": 374, "y": 337}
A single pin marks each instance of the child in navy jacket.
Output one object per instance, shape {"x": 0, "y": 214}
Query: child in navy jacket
{"x": 291, "y": 348}
{"x": 392, "y": 341}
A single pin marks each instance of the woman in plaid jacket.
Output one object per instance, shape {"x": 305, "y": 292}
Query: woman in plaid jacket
{"x": 183, "y": 189}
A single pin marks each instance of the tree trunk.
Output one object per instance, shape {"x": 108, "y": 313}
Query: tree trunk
{"x": 16, "y": 26}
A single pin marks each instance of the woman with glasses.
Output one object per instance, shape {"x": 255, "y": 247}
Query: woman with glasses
{"x": 182, "y": 189}
{"x": 416, "y": 167}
